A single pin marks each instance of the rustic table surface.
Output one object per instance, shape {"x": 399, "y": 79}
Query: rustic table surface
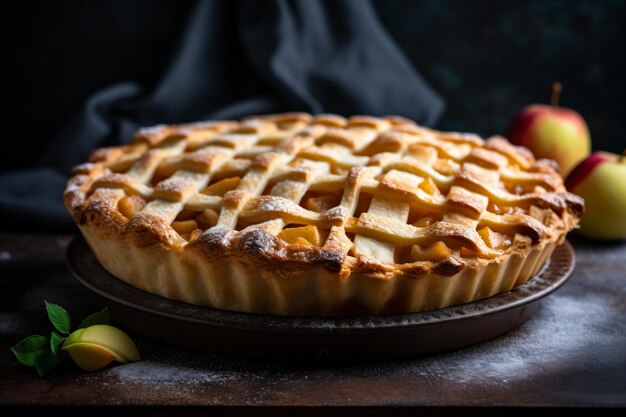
{"x": 572, "y": 352}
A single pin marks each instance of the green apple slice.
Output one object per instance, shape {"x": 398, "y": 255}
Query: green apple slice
{"x": 96, "y": 346}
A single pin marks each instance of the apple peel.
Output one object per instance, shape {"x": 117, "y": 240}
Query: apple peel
{"x": 601, "y": 181}
{"x": 96, "y": 346}
{"x": 552, "y": 132}
{"x": 586, "y": 167}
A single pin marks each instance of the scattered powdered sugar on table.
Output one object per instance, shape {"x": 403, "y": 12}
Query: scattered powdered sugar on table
{"x": 10, "y": 322}
{"x": 147, "y": 372}
{"x": 559, "y": 333}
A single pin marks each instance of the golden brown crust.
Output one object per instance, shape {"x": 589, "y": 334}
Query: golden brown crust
{"x": 399, "y": 188}
{"x": 146, "y": 229}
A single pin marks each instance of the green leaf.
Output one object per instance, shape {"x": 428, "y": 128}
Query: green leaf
{"x": 56, "y": 340}
{"x": 46, "y": 362}
{"x": 100, "y": 317}
{"x": 29, "y": 350}
{"x": 35, "y": 351}
{"x": 42, "y": 352}
{"x": 59, "y": 317}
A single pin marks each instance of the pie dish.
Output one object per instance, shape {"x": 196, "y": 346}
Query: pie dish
{"x": 294, "y": 214}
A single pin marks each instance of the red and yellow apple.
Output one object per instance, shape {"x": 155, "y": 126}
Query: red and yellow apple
{"x": 552, "y": 132}
{"x": 601, "y": 180}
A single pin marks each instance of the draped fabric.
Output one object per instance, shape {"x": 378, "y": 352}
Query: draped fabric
{"x": 235, "y": 59}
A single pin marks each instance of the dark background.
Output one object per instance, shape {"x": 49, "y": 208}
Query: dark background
{"x": 487, "y": 59}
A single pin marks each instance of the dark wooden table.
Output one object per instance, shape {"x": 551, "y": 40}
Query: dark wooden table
{"x": 571, "y": 353}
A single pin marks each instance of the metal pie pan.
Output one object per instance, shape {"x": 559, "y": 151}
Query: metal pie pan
{"x": 220, "y": 331}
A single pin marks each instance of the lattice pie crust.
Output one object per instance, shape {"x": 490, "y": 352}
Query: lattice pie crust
{"x": 294, "y": 214}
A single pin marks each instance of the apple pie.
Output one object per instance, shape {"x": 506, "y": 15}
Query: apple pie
{"x": 301, "y": 215}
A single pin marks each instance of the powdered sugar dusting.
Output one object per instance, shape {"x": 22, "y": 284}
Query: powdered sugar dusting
{"x": 150, "y": 130}
{"x": 173, "y": 185}
{"x": 335, "y": 213}
{"x": 10, "y": 322}
{"x": 84, "y": 167}
{"x": 154, "y": 373}
{"x": 279, "y": 204}
{"x": 205, "y": 124}
{"x": 559, "y": 333}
